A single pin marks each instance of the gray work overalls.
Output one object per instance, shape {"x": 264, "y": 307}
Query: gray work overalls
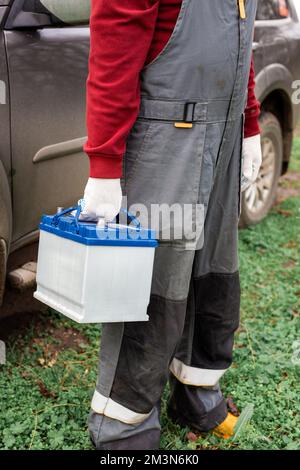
{"x": 200, "y": 78}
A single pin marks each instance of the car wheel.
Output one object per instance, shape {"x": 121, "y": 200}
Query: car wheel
{"x": 258, "y": 199}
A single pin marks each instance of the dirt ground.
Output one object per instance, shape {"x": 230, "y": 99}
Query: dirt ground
{"x": 289, "y": 185}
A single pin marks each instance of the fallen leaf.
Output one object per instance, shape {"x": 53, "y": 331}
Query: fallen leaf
{"x": 52, "y": 361}
{"x": 232, "y": 407}
{"x": 191, "y": 436}
{"x": 290, "y": 244}
{"x": 284, "y": 212}
{"x": 44, "y": 390}
{"x": 289, "y": 264}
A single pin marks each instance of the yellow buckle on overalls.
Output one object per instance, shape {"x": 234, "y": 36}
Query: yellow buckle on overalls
{"x": 188, "y": 116}
{"x": 183, "y": 125}
{"x": 242, "y": 9}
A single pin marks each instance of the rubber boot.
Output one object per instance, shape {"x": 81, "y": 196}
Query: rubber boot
{"x": 225, "y": 430}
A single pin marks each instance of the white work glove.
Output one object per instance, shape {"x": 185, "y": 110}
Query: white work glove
{"x": 251, "y": 161}
{"x": 102, "y": 200}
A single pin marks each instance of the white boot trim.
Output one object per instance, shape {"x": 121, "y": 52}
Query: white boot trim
{"x": 110, "y": 408}
{"x": 193, "y": 376}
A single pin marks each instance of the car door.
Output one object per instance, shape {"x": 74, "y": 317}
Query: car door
{"x": 273, "y": 21}
{"x": 47, "y": 60}
{"x": 293, "y": 38}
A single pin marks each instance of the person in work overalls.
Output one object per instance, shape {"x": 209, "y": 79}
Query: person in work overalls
{"x": 169, "y": 89}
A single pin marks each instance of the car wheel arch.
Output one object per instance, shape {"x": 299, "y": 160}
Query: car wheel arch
{"x": 259, "y": 198}
{"x": 277, "y": 101}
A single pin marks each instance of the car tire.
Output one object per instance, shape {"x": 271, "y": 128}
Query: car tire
{"x": 259, "y": 198}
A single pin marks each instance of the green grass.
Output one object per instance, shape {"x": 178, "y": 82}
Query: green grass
{"x": 294, "y": 165}
{"x": 45, "y": 395}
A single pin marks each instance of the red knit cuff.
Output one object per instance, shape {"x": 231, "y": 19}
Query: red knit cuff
{"x": 251, "y": 126}
{"x": 105, "y": 166}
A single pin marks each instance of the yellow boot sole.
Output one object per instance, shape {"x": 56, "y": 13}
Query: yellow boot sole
{"x": 226, "y": 428}
{"x": 232, "y": 425}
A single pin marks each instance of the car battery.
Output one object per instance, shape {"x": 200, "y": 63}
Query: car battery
{"x": 95, "y": 274}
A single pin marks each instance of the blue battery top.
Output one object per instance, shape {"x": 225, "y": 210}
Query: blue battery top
{"x": 87, "y": 233}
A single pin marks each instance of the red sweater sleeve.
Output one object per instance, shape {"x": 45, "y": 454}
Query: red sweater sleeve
{"x": 121, "y": 35}
{"x": 252, "y": 110}
{"x": 124, "y": 36}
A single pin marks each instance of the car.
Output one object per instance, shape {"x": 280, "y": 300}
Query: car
{"x": 276, "y": 49}
{"x": 44, "y": 47}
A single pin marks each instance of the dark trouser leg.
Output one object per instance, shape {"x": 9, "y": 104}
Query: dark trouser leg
{"x": 135, "y": 359}
{"x": 205, "y": 351}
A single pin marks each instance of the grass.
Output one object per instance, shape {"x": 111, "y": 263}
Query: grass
{"x": 48, "y": 380}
